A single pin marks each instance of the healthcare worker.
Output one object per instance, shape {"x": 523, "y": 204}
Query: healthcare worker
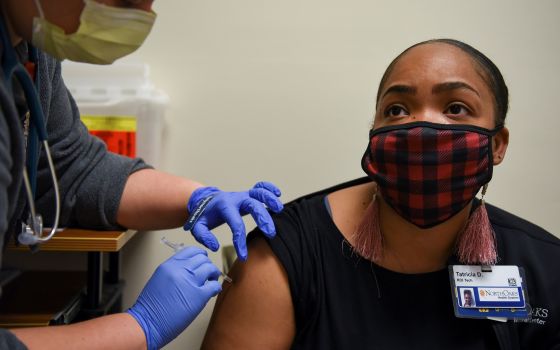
{"x": 50, "y": 165}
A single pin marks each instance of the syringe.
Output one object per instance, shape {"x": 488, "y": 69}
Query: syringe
{"x": 178, "y": 246}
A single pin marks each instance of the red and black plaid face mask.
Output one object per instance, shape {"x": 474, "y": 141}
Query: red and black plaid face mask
{"x": 428, "y": 172}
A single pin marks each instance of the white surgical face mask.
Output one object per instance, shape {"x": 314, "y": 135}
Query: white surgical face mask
{"x": 105, "y": 34}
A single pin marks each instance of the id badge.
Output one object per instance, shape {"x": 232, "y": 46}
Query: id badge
{"x": 494, "y": 292}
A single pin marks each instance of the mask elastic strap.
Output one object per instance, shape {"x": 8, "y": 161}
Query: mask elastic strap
{"x": 37, "y": 25}
{"x": 39, "y": 8}
{"x": 497, "y": 128}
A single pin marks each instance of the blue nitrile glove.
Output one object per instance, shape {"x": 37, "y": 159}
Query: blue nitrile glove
{"x": 175, "y": 294}
{"x": 209, "y": 208}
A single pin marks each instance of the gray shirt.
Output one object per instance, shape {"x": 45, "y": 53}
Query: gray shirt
{"x": 91, "y": 179}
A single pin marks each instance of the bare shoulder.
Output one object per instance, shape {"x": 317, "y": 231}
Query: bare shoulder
{"x": 256, "y": 310}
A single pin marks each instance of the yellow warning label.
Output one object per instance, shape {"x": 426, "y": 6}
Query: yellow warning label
{"x": 110, "y": 122}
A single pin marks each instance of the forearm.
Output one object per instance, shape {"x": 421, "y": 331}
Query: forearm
{"x": 119, "y": 331}
{"x": 154, "y": 200}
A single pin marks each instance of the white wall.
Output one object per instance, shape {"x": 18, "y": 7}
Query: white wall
{"x": 284, "y": 91}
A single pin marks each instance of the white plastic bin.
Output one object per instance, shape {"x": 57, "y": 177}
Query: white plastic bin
{"x": 121, "y": 90}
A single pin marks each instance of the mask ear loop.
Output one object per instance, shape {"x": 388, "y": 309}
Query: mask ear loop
{"x": 39, "y": 8}
{"x": 37, "y": 24}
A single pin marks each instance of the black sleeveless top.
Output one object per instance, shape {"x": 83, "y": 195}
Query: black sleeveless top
{"x": 342, "y": 301}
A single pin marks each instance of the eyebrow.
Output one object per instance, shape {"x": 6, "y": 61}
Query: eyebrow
{"x": 439, "y": 88}
{"x": 453, "y": 85}
{"x": 400, "y": 89}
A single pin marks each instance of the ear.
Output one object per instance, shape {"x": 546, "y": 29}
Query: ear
{"x": 500, "y": 142}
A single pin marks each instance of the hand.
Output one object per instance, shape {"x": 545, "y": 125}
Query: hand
{"x": 210, "y": 207}
{"x": 175, "y": 294}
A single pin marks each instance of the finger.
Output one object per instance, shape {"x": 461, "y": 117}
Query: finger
{"x": 204, "y": 236}
{"x": 267, "y": 198}
{"x": 206, "y": 272}
{"x": 188, "y": 252}
{"x": 196, "y": 261}
{"x": 260, "y": 215}
{"x": 240, "y": 245}
{"x": 234, "y": 221}
{"x": 268, "y": 186}
{"x": 212, "y": 288}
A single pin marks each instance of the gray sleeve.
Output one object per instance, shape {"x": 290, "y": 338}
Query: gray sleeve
{"x": 11, "y": 163}
{"x": 8, "y": 341}
{"x": 5, "y": 175}
{"x": 91, "y": 179}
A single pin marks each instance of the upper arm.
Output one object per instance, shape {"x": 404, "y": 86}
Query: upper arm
{"x": 256, "y": 310}
{"x": 91, "y": 179}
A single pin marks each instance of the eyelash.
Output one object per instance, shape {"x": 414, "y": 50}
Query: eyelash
{"x": 468, "y": 111}
{"x": 401, "y": 108}
{"x": 388, "y": 110}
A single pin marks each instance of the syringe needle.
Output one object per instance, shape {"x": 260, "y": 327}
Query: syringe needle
{"x": 170, "y": 244}
{"x": 178, "y": 246}
{"x": 226, "y": 277}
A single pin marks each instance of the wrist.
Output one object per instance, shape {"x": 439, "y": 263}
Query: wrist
{"x": 144, "y": 327}
{"x": 198, "y": 195}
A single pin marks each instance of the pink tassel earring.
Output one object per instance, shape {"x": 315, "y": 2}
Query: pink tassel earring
{"x": 368, "y": 240}
{"x": 477, "y": 243}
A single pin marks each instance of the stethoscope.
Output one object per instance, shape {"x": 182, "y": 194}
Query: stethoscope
{"x": 32, "y": 230}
